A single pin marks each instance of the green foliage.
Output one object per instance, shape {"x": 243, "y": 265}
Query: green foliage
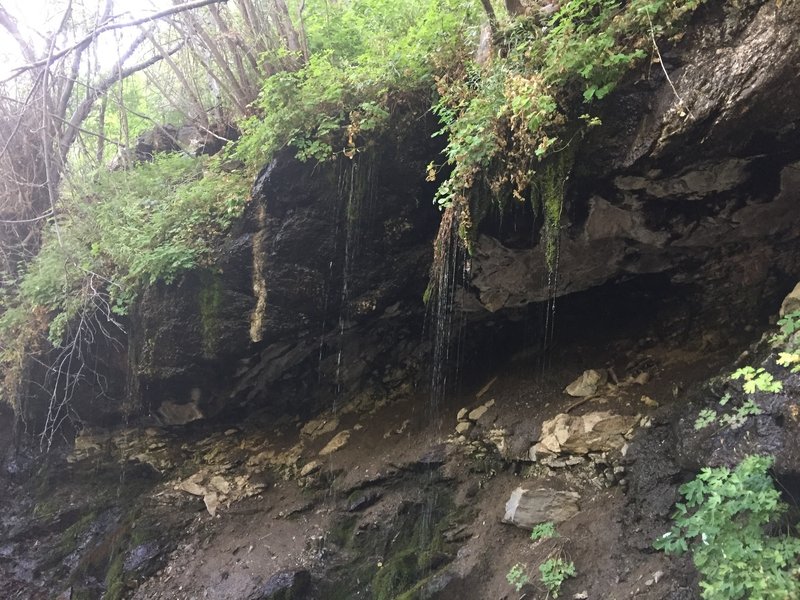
{"x": 368, "y": 57}
{"x": 517, "y": 576}
{"x": 786, "y": 340}
{"x": 789, "y": 324}
{"x": 739, "y": 416}
{"x": 705, "y": 418}
{"x": 155, "y": 221}
{"x": 727, "y": 520}
{"x": 119, "y": 232}
{"x": 789, "y": 360}
{"x": 757, "y": 380}
{"x": 506, "y": 119}
{"x": 544, "y": 531}
{"x": 554, "y": 572}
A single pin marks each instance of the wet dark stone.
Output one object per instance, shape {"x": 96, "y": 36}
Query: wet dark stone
{"x": 141, "y": 556}
{"x": 286, "y": 585}
{"x": 363, "y": 501}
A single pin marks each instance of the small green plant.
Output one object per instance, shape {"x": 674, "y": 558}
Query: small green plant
{"x": 518, "y": 576}
{"x": 757, "y": 380}
{"x": 555, "y": 572}
{"x": 789, "y": 360}
{"x": 544, "y": 531}
{"x": 705, "y": 418}
{"x": 552, "y": 572}
{"x": 739, "y": 416}
{"x": 728, "y": 522}
{"x": 789, "y": 324}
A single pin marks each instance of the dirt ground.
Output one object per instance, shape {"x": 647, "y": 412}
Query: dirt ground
{"x": 402, "y": 473}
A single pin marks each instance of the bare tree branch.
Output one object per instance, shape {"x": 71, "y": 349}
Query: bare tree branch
{"x": 10, "y": 24}
{"x": 85, "y": 107}
{"x": 108, "y": 26}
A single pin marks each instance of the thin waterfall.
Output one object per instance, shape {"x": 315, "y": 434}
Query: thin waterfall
{"x": 445, "y": 280}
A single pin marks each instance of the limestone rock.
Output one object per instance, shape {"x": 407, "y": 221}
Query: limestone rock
{"x": 477, "y": 413}
{"x": 498, "y": 437}
{"x": 463, "y": 427}
{"x": 309, "y": 468}
{"x": 211, "y": 501}
{"x": 792, "y": 301}
{"x": 218, "y": 483}
{"x": 528, "y": 508}
{"x": 648, "y": 401}
{"x": 462, "y": 414}
{"x": 600, "y": 431}
{"x": 318, "y": 427}
{"x": 587, "y": 384}
{"x": 191, "y": 486}
{"x": 337, "y": 442}
{"x": 88, "y": 443}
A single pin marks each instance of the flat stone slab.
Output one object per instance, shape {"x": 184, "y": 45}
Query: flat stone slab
{"x": 527, "y": 508}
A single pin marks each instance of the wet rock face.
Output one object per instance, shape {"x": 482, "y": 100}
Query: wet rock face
{"x": 286, "y": 585}
{"x": 325, "y": 273}
{"x": 774, "y": 432}
{"x": 702, "y": 184}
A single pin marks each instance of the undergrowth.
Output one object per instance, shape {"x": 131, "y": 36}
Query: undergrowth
{"x": 507, "y": 121}
{"x": 117, "y": 233}
{"x": 730, "y": 522}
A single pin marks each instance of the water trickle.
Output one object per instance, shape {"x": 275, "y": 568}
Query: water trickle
{"x": 447, "y": 274}
{"x": 356, "y": 195}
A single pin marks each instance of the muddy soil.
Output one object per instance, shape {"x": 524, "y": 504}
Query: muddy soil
{"x": 405, "y": 505}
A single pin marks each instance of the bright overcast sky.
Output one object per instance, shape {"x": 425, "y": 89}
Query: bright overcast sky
{"x": 37, "y": 18}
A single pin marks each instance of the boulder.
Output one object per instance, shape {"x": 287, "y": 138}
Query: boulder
{"x": 599, "y": 431}
{"x": 528, "y": 508}
{"x": 587, "y": 384}
{"x": 791, "y": 302}
{"x": 337, "y": 443}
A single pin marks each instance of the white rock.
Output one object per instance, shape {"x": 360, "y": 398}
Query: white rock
{"x": 477, "y": 413}
{"x": 587, "y": 384}
{"x": 212, "y": 502}
{"x": 792, "y": 301}
{"x": 191, "y": 487}
{"x": 218, "y": 483}
{"x": 309, "y": 468}
{"x": 337, "y": 443}
{"x": 318, "y": 427}
{"x": 463, "y": 427}
{"x": 599, "y": 431}
{"x": 648, "y": 401}
{"x": 528, "y": 508}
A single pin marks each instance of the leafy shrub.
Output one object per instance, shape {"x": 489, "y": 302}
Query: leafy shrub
{"x": 552, "y": 572}
{"x": 544, "y": 531}
{"x": 755, "y": 380}
{"x": 728, "y": 522}
{"x": 119, "y": 232}
{"x": 786, "y": 340}
{"x": 504, "y": 119}
{"x": 518, "y": 576}
{"x": 555, "y": 572}
{"x": 368, "y": 57}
